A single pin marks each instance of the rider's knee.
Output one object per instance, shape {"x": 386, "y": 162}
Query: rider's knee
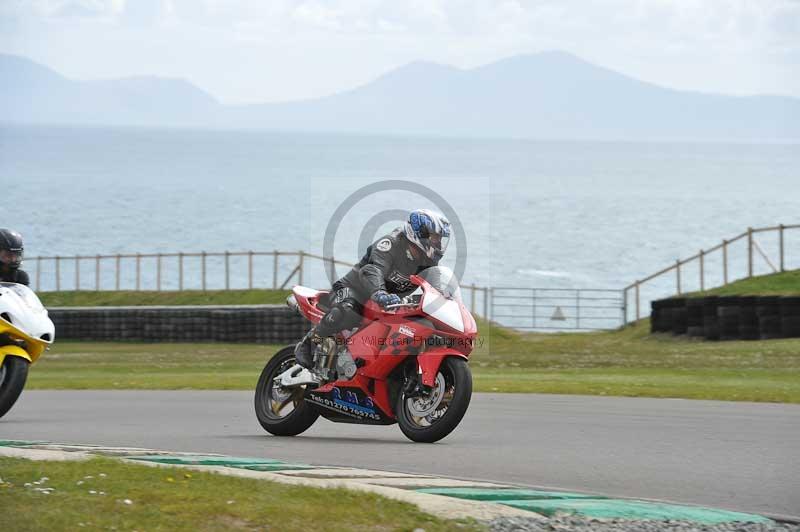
{"x": 344, "y": 315}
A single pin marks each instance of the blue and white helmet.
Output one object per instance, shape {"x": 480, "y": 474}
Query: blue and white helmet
{"x": 429, "y": 231}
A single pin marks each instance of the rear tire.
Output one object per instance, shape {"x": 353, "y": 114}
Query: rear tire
{"x": 458, "y": 381}
{"x": 302, "y": 415}
{"x": 13, "y": 375}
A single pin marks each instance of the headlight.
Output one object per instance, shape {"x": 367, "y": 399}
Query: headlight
{"x": 291, "y": 302}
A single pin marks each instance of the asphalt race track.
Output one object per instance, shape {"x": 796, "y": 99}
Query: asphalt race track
{"x": 739, "y": 456}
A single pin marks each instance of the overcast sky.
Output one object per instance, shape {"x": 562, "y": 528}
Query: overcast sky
{"x": 276, "y": 50}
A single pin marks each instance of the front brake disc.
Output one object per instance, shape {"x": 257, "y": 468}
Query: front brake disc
{"x": 424, "y": 405}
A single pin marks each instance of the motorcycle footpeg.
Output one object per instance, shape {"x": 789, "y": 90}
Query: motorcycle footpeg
{"x": 297, "y": 375}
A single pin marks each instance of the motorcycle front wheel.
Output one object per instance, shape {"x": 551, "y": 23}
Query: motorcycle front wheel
{"x": 432, "y": 416}
{"x": 282, "y": 411}
{"x": 13, "y": 374}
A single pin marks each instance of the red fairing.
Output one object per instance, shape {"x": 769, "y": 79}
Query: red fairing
{"x": 308, "y": 302}
{"x": 430, "y": 360}
{"x": 470, "y": 327}
{"x": 386, "y": 340}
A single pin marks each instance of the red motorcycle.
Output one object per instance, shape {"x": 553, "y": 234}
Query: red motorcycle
{"x": 404, "y": 364}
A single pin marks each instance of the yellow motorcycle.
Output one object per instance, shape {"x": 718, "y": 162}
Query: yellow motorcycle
{"x": 26, "y": 331}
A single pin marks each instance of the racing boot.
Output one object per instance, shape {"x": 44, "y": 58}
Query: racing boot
{"x": 304, "y": 350}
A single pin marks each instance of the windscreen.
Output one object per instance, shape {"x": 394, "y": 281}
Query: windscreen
{"x": 26, "y": 294}
{"x": 444, "y": 280}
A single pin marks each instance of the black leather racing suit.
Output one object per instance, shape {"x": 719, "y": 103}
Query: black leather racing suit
{"x": 14, "y": 276}
{"x": 387, "y": 265}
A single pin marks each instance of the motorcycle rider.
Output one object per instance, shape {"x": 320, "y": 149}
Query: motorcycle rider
{"x": 11, "y": 258}
{"x": 383, "y": 272}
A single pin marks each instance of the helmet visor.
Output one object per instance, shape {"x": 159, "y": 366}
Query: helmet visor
{"x": 437, "y": 244}
{"x": 11, "y": 258}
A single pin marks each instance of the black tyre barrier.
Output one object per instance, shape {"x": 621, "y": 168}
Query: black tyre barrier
{"x": 657, "y": 321}
{"x": 769, "y": 316}
{"x": 670, "y": 316}
{"x": 710, "y": 320}
{"x": 268, "y": 324}
{"x": 666, "y": 317}
{"x": 728, "y": 317}
{"x": 694, "y": 317}
{"x": 661, "y": 315}
{"x": 748, "y": 319}
{"x": 678, "y": 316}
{"x": 790, "y": 317}
{"x": 665, "y": 320}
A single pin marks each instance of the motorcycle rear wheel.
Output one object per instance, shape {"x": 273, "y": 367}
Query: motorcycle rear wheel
{"x": 13, "y": 374}
{"x": 447, "y": 403}
{"x": 271, "y": 402}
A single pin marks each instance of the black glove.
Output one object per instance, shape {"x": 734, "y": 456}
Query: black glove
{"x": 384, "y": 299}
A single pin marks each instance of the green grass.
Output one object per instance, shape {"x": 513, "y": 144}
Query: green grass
{"x": 139, "y": 366}
{"x": 628, "y": 362}
{"x": 172, "y": 499}
{"x": 776, "y": 284}
{"x": 186, "y": 297}
{"x": 632, "y": 362}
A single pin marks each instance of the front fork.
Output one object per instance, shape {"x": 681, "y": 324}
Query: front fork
{"x": 429, "y": 362}
{"x": 412, "y": 381}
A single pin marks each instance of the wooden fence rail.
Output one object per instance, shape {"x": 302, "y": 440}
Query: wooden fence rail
{"x": 296, "y": 271}
{"x": 701, "y": 257}
{"x": 479, "y": 298}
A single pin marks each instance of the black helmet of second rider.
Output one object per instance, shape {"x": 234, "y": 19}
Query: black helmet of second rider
{"x": 11, "y": 249}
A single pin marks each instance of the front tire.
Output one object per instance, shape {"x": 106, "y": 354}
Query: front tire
{"x": 272, "y": 402}
{"x": 447, "y": 403}
{"x": 13, "y": 374}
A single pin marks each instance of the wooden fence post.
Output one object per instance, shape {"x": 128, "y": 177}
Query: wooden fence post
{"x": 625, "y": 307}
{"x": 250, "y": 270}
{"x": 780, "y": 243}
{"x": 203, "y": 269}
{"x": 749, "y": 252}
{"x": 472, "y": 303}
{"x": 227, "y": 270}
{"x": 702, "y": 270}
{"x": 300, "y": 268}
{"x": 58, "y": 273}
{"x": 158, "y": 272}
{"x": 275, "y": 270}
{"x": 724, "y": 263}
{"x": 638, "y": 314}
{"x": 486, "y": 302}
{"x": 138, "y": 271}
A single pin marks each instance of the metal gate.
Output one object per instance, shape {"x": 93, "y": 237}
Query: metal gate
{"x": 558, "y": 308}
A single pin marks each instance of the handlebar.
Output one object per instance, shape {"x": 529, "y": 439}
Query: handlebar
{"x": 400, "y": 305}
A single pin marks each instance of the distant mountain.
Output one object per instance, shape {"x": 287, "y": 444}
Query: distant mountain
{"x": 546, "y": 95}
{"x": 30, "y": 92}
